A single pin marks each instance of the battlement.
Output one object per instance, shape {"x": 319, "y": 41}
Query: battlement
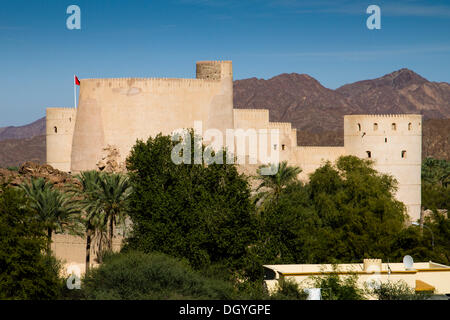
{"x": 214, "y": 62}
{"x": 252, "y": 114}
{"x": 60, "y": 113}
{"x": 252, "y": 110}
{"x": 283, "y": 125}
{"x": 150, "y": 82}
{"x": 404, "y": 116}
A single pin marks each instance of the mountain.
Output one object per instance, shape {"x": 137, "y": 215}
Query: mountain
{"x": 37, "y": 128}
{"x": 17, "y": 151}
{"x": 402, "y": 91}
{"x": 317, "y": 112}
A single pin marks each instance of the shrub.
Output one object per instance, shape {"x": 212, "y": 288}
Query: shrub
{"x": 26, "y": 273}
{"x": 334, "y": 287}
{"x": 136, "y": 275}
{"x": 398, "y": 291}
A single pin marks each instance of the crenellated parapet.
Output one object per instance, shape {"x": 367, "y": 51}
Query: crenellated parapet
{"x": 174, "y": 83}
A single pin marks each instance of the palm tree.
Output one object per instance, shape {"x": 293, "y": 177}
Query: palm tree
{"x": 57, "y": 211}
{"x": 272, "y": 185}
{"x": 93, "y": 215}
{"x": 115, "y": 190}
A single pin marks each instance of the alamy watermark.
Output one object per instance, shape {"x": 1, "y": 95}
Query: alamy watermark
{"x": 74, "y": 20}
{"x": 374, "y": 20}
{"x": 260, "y": 149}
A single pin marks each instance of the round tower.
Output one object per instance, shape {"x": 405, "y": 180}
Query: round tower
{"x": 394, "y": 143}
{"x": 60, "y": 123}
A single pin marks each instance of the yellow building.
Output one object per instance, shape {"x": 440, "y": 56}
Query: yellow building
{"x": 422, "y": 276}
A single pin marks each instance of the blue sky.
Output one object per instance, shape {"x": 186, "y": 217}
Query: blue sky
{"x": 326, "y": 39}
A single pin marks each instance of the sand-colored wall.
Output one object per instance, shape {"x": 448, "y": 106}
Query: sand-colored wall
{"x": 311, "y": 158}
{"x": 386, "y": 141}
{"x": 60, "y": 123}
{"x": 71, "y": 250}
{"x": 116, "y": 112}
{"x": 258, "y": 119}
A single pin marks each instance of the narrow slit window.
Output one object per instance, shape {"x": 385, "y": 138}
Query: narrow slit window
{"x": 369, "y": 154}
{"x": 55, "y": 129}
{"x": 359, "y": 127}
{"x": 375, "y": 126}
{"x": 385, "y": 139}
{"x": 404, "y": 154}
{"x": 274, "y": 147}
{"x": 283, "y": 146}
{"x": 409, "y": 126}
{"x": 394, "y": 126}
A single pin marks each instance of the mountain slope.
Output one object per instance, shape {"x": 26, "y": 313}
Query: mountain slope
{"x": 31, "y": 130}
{"x": 402, "y": 91}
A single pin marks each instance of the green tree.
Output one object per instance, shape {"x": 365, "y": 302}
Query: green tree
{"x": 346, "y": 212}
{"x": 93, "y": 217}
{"x": 25, "y": 272}
{"x": 271, "y": 186}
{"x": 436, "y": 184}
{"x": 57, "y": 211}
{"x": 197, "y": 211}
{"x": 112, "y": 197}
{"x": 336, "y": 287}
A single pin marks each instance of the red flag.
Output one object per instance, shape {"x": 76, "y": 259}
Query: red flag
{"x": 77, "y": 82}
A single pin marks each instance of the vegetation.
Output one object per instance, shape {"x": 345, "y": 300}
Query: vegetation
{"x": 398, "y": 291}
{"x": 197, "y": 232}
{"x": 25, "y": 272}
{"x": 271, "y": 186}
{"x": 54, "y": 209}
{"x": 137, "y": 275}
{"x": 335, "y": 287}
{"x": 198, "y": 212}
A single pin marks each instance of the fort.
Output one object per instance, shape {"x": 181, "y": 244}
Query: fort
{"x": 114, "y": 113}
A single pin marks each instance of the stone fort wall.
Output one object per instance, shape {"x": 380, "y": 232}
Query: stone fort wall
{"x": 116, "y": 112}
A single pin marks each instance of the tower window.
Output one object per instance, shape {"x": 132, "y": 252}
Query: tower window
{"x": 274, "y": 147}
{"x": 55, "y": 129}
{"x": 359, "y": 127}
{"x": 369, "y": 154}
{"x": 409, "y": 126}
{"x": 375, "y": 126}
{"x": 404, "y": 154}
{"x": 394, "y": 126}
{"x": 283, "y": 146}
{"x": 385, "y": 139}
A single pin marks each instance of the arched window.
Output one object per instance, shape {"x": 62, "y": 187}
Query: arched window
{"x": 369, "y": 154}
{"x": 55, "y": 129}
{"x": 403, "y": 154}
{"x": 375, "y": 126}
{"x": 409, "y": 126}
{"x": 394, "y": 126}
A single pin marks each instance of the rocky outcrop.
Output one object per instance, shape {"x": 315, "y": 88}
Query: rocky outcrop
{"x": 110, "y": 161}
{"x": 30, "y": 170}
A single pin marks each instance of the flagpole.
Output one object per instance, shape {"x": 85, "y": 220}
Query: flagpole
{"x": 74, "y": 92}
